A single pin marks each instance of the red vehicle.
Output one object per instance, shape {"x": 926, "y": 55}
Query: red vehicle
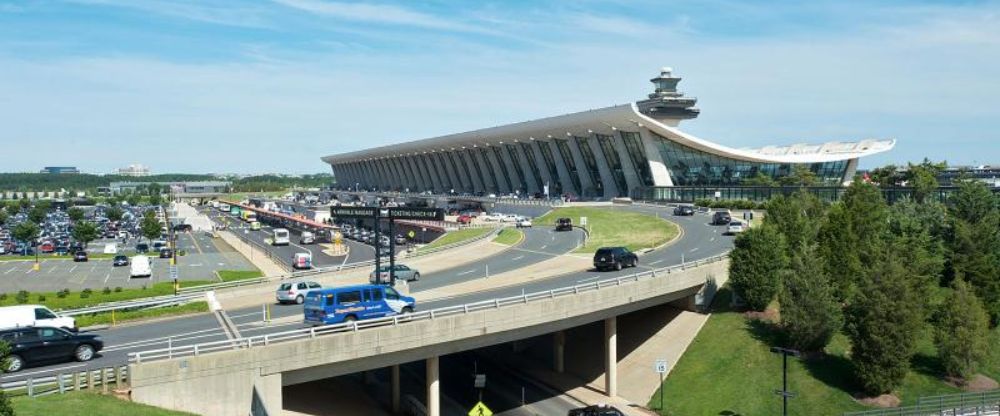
{"x": 47, "y": 247}
{"x": 464, "y": 219}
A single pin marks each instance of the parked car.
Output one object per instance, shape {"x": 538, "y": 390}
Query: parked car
{"x": 352, "y": 303}
{"x": 166, "y": 253}
{"x": 684, "y": 210}
{"x": 80, "y": 256}
{"x": 564, "y": 224}
{"x": 295, "y": 292}
{"x": 120, "y": 260}
{"x": 736, "y": 227}
{"x": 400, "y": 239}
{"x": 142, "y": 248}
{"x": 402, "y": 271}
{"x": 614, "y": 258}
{"x": 38, "y": 344}
{"x": 464, "y": 219}
{"x": 33, "y": 315}
{"x": 596, "y": 410}
{"x": 721, "y": 218}
{"x": 182, "y": 227}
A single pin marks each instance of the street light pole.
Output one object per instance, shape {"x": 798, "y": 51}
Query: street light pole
{"x": 784, "y": 393}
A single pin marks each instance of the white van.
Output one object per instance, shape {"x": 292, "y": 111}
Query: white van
{"x": 307, "y": 238}
{"x": 141, "y": 267}
{"x": 111, "y": 248}
{"x": 33, "y": 315}
{"x": 280, "y": 237}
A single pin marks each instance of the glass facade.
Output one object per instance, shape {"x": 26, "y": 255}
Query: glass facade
{"x": 691, "y": 167}
{"x": 532, "y": 164}
{"x": 555, "y": 188}
{"x": 464, "y": 178}
{"x": 477, "y": 169}
{"x": 515, "y": 159}
{"x": 588, "y": 158}
{"x": 611, "y": 156}
{"x": 637, "y": 153}
{"x": 504, "y": 173}
{"x": 567, "y": 157}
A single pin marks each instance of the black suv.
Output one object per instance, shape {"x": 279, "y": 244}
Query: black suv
{"x": 614, "y": 258}
{"x": 721, "y": 218}
{"x": 684, "y": 210}
{"x": 80, "y": 256}
{"x": 564, "y": 224}
{"x": 596, "y": 410}
{"x": 37, "y": 344}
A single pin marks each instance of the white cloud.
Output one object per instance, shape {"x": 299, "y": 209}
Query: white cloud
{"x": 378, "y": 13}
{"x": 197, "y": 11}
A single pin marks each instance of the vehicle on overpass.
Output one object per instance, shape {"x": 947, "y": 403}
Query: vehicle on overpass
{"x": 402, "y": 272}
{"x": 37, "y": 344}
{"x": 33, "y": 315}
{"x": 353, "y": 303}
{"x": 614, "y": 258}
{"x": 279, "y": 237}
{"x": 295, "y": 292}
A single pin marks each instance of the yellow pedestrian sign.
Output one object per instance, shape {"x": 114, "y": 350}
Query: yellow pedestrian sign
{"x": 480, "y": 409}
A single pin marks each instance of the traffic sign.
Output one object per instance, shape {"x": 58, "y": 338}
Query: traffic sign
{"x": 407, "y": 213}
{"x": 583, "y": 221}
{"x": 352, "y": 212}
{"x": 173, "y": 272}
{"x": 480, "y": 409}
{"x": 411, "y": 234}
{"x": 480, "y": 382}
{"x": 661, "y": 366}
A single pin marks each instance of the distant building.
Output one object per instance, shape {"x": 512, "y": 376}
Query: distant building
{"x": 194, "y": 187}
{"x": 135, "y": 170}
{"x": 60, "y": 169}
{"x": 988, "y": 174}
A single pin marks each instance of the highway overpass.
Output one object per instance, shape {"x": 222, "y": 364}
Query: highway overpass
{"x": 219, "y": 378}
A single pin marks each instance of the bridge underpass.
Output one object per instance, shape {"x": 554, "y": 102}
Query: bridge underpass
{"x": 221, "y": 383}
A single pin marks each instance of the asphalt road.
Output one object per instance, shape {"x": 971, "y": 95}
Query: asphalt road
{"x": 700, "y": 240}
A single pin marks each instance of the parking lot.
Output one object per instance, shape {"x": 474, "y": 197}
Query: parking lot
{"x": 203, "y": 256}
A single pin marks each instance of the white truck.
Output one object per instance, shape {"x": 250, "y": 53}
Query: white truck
{"x": 33, "y": 315}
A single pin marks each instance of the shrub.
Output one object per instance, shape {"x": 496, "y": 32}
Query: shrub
{"x": 41, "y": 298}
{"x": 22, "y": 296}
{"x": 118, "y": 289}
{"x": 755, "y": 266}
{"x": 85, "y": 293}
{"x": 62, "y": 293}
{"x": 3, "y": 296}
{"x": 106, "y": 291}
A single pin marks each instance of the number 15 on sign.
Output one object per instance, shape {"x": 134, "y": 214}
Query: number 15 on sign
{"x": 661, "y": 367}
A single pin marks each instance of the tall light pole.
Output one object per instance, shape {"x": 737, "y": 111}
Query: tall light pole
{"x": 784, "y": 393}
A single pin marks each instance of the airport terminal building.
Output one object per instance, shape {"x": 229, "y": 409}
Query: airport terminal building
{"x": 620, "y": 151}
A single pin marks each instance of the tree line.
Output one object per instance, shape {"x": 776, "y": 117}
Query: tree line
{"x": 879, "y": 274}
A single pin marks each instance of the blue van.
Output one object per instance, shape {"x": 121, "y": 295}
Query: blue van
{"x": 352, "y": 303}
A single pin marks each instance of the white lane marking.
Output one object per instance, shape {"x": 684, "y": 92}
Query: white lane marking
{"x": 693, "y": 250}
{"x": 72, "y": 268}
{"x": 656, "y": 262}
{"x": 589, "y": 279}
{"x": 518, "y": 257}
{"x": 711, "y": 239}
{"x": 8, "y": 271}
{"x": 106, "y": 277}
{"x": 466, "y": 272}
{"x": 543, "y": 247}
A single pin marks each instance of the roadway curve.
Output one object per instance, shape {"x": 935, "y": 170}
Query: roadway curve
{"x": 700, "y": 240}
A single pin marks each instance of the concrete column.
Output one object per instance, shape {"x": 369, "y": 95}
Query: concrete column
{"x": 437, "y": 183}
{"x": 611, "y": 356}
{"x": 404, "y": 177}
{"x": 458, "y": 180}
{"x": 419, "y": 175}
{"x": 657, "y": 166}
{"x": 562, "y": 168}
{"x": 504, "y": 182}
{"x": 516, "y": 179}
{"x": 559, "y": 352}
{"x": 529, "y": 173}
{"x": 395, "y": 387}
{"x": 443, "y": 172}
{"x": 543, "y": 166}
{"x": 433, "y": 387}
{"x": 269, "y": 389}
{"x": 628, "y": 168}
{"x": 384, "y": 175}
{"x": 477, "y": 183}
{"x": 488, "y": 173}
{"x": 582, "y": 169}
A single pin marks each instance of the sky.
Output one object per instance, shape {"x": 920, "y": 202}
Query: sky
{"x": 272, "y": 85}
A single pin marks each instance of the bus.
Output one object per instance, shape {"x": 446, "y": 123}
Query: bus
{"x": 352, "y": 303}
{"x": 280, "y": 237}
{"x": 248, "y": 216}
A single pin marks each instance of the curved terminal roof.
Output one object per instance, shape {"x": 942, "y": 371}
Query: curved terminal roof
{"x": 625, "y": 117}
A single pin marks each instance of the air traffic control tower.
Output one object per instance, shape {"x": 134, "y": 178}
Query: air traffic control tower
{"x": 666, "y": 104}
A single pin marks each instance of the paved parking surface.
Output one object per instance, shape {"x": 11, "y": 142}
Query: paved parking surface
{"x": 204, "y": 256}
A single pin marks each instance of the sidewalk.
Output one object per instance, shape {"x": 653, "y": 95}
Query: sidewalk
{"x": 555, "y": 266}
{"x": 253, "y": 254}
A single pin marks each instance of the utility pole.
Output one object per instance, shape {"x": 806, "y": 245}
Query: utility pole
{"x": 784, "y": 393}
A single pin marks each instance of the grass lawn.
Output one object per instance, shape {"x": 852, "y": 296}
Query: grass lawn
{"x": 85, "y": 403}
{"x": 614, "y": 227}
{"x": 107, "y": 318}
{"x": 231, "y": 275}
{"x": 509, "y": 236}
{"x": 75, "y": 300}
{"x": 456, "y": 236}
{"x": 729, "y": 370}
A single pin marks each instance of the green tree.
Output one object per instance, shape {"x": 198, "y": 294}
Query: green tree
{"x": 37, "y": 215}
{"x": 26, "y": 231}
{"x": 6, "y": 408}
{"x": 84, "y": 232}
{"x": 3, "y": 217}
{"x": 114, "y": 213}
{"x": 923, "y": 179}
{"x": 886, "y": 177}
{"x": 155, "y": 199}
{"x": 917, "y": 231}
{"x": 133, "y": 199}
{"x": 882, "y": 322}
{"x": 797, "y": 217}
{"x": 760, "y": 179}
{"x": 961, "y": 331}
{"x": 755, "y": 263}
{"x": 75, "y": 214}
{"x": 810, "y": 314}
{"x": 24, "y": 202}
{"x": 852, "y": 235}
{"x": 150, "y": 226}
{"x": 973, "y": 253}
{"x": 801, "y": 175}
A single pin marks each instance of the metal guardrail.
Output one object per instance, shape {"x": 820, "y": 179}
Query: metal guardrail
{"x": 962, "y": 404}
{"x": 317, "y": 331}
{"x": 133, "y": 304}
{"x": 64, "y": 382}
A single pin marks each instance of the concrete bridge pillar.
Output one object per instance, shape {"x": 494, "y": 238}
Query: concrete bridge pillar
{"x": 611, "y": 356}
{"x": 395, "y": 388}
{"x": 559, "y": 352}
{"x": 433, "y": 387}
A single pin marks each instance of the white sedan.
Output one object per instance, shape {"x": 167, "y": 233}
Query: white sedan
{"x": 736, "y": 227}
